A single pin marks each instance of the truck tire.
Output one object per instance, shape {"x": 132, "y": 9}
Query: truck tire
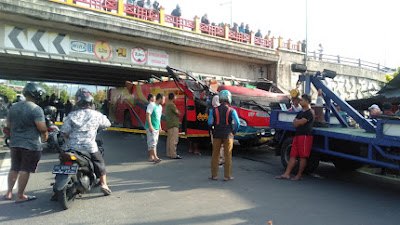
{"x": 127, "y": 120}
{"x": 343, "y": 164}
{"x": 347, "y": 165}
{"x": 312, "y": 161}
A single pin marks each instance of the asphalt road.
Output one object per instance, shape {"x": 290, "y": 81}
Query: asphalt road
{"x": 178, "y": 192}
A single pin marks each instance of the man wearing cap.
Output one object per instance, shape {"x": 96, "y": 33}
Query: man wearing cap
{"x": 302, "y": 141}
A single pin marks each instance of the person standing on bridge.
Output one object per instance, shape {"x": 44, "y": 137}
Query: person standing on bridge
{"x": 177, "y": 13}
{"x": 221, "y": 120}
{"x": 27, "y": 122}
{"x": 172, "y": 115}
{"x": 153, "y": 126}
{"x": 302, "y": 142}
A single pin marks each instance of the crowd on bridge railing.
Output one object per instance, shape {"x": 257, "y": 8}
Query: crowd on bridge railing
{"x": 152, "y": 11}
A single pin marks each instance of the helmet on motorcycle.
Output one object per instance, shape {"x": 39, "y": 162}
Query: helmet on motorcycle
{"x": 225, "y": 96}
{"x": 34, "y": 91}
{"x": 84, "y": 98}
{"x": 49, "y": 110}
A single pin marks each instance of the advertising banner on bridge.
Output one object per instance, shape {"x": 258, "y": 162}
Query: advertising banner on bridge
{"x": 82, "y": 47}
{"x": 157, "y": 58}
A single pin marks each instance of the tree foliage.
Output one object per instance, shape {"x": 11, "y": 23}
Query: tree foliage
{"x": 390, "y": 77}
{"x": 8, "y": 92}
{"x": 99, "y": 96}
{"x": 55, "y": 89}
{"x": 64, "y": 96}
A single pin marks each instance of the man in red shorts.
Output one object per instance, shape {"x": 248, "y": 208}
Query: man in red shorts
{"x": 302, "y": 141}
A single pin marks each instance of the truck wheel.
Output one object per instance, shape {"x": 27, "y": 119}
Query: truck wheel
{"x": 346, "y": 165}
{"x": 127, "y": 120}
{"x": 312, "y": 161}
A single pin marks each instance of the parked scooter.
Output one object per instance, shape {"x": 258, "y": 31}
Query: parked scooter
{"x": 74, "y": 176}
{"x": 55, "y": 140}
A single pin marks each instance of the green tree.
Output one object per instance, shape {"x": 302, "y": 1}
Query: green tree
{"x": 64, "y": 96}
{"x": 8, "y": 92}
{"x": 390, "y": 77}
{"x": 99, "y": 96}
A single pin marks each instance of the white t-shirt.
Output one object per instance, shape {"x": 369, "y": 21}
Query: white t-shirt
{"x": 297, "y": 109}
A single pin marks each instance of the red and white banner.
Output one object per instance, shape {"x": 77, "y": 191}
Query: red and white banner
{"x": 157, "y": 58}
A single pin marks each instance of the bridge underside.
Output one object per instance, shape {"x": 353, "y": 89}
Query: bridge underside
{"x": 19, "y": 67}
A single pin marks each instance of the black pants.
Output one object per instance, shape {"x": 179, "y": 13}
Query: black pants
{"x": 98, "y": 163}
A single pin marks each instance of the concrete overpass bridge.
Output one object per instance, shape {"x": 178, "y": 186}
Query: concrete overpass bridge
{"x": 109, "y": 42}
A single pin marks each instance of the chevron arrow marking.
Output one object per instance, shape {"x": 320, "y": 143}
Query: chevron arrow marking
{"x": 36, "y": 40}
{"x": 13, "y": 36}
{"x": 57, "y": 43}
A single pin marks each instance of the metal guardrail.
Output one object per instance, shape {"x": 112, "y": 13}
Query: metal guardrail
{"x": 349, "y": 61}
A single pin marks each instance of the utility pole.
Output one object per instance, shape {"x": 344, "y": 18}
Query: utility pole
{"x": 231, "y": 3}
{"x": 306, "y": 48}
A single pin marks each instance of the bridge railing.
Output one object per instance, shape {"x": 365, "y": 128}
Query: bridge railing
{"x": 348, "y": 61}
{"x": 212, "y": 30}
{"x": 123, "y": 9}
{"x": 179, "y": 22}
{"x": 106, "y": 5}
{"x": 141, "y": 13}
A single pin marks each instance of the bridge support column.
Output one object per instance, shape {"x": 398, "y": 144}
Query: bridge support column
{"x": 252, "y": 38}
{"x": 197, "y": 24}
{"x": 162, "y": 15}
{"x": 289, "y": 44}
{"x": 120, "y": 7}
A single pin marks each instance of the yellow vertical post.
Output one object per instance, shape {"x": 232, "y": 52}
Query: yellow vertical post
{"x": 226, "y": 31}
{"x": 120, "y": 7}
{"x": 280, "y": 42}
{"x": 162, "y": 15}
{"x": 252, "y": 36}
{"x": 197, "y": 24}
{"x": 299, "y": 46}
{"x": 69, "y": 1}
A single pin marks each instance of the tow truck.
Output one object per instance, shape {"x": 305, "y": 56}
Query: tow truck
{"x": 349, "y": 148}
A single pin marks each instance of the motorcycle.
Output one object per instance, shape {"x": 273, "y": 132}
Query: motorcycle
{"x": 55, "y": 141}
{"x": 74, "y": 176}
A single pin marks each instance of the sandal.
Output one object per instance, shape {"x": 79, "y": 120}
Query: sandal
{"x": 213, "y": 178}
{"x": 157, "y": 161}
{"x": 7, "y": 199}
{"x": 106, "y": 191}
{"x": 29, "y": 198}
{"x": 228, "y": 178}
